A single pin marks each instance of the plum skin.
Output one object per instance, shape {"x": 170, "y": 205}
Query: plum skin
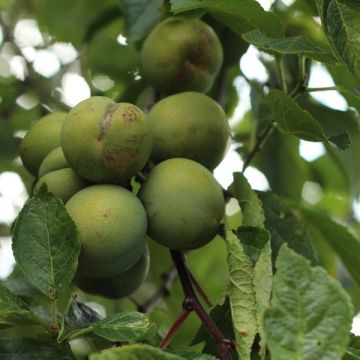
{"x": 112, "y": 225}
{"x": 184, "y": 204}
{"x": 54, "y": 160}
{"x": 42, "y": 137}
{"x": 181, "y": 55}
{"x": 189, "y": 115}
{"x": 105, "y": 142}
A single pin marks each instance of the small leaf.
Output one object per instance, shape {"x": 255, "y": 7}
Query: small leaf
{"x": 253, "y": 214}
{"x": 292, "y": 119}
{"x": 240, "y": 16}
{"x": 30, "y": 349}
{"x": 353, "y": 349}
{"x": 78, "y": 316}
{"x": 130, "y": 326}
{"x": 46, "y": 244}
{"x": 135, "y": 352}
{"x": 311, "y": 314}
{"x": 140, "y": 17}
{"x": 297, "y": 45}
{"x": 13, "y": 311}
{"x": 338, "y": 236}
{"x": 340, "y": 20}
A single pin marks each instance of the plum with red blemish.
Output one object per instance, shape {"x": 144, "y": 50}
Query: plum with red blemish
{"x": 106, "y": 142}
{"x": 181, "y": 55}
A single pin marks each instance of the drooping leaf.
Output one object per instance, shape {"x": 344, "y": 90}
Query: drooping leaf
{"x": 30, "y": 349}
{"x": 249, "y": 292}
{"x": 135, "y": 352}
{"x": 340, "y": 239}
{"x": 311, "y": 315}
{"x": 240, "y": 16}
{"x": 78, "y": 316}
{"x": 297, "y": 45}
{"x": 292, "y": 119}
{"x": 130, "y": 326}
{"x": 140, "y": 17}
{"x": 46, "y": 244}
{"x": 340, "y": 22}
{"x": 353, "y": 349}
{"x": 285, "y": 227}
{"x": 13, "y": 311}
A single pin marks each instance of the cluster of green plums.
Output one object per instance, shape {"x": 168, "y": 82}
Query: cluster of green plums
{"x": 91, "y": 157}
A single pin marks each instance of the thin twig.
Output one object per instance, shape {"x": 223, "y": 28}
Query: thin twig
{"x": 328, "y": 88}
{"x": 281, "y": 72}
{"x": 199, "y": 289}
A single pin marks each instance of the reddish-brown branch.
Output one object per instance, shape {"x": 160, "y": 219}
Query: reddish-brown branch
{"x": 199, "y": 289}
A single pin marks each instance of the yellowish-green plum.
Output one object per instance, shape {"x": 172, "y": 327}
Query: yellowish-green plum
{"x": 54, "y": 160}
{"x": 117, "y": 286}
{"x": 184, "y": 204}
{"x": 42, "y": 137}
{"x": 63, "y": 183}
{"x": 112, "y": 224}
{"x": 105, "y": 142}
{"x": 181, "y": 55}
{"x": 189, "y": 125}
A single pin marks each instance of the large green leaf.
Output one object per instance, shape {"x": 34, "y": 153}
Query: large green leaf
{"x": 240, "y": 16}
{"x": 339, "y": 237}
{"x": 298, "y": 45}
{"x": 13, "y": 311}
{"x": 249, "y": 291}
{"x": 46, "y": 244}
{"x": 294, "y": 120}
{"x": 340, "y": 20}
{"x": 311, "y": 315}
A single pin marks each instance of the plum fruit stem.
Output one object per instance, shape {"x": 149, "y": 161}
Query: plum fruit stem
{"x": 192, "y": 303}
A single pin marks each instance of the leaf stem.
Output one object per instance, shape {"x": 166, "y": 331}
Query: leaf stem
{"x": 328, "y": 88}
{"x": 192, "y": 302}
{"x": 281, "y": 73}
{"x": 54, "y": 325}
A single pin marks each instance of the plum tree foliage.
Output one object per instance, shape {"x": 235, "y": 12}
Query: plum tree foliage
{"x": 127, "y": 229}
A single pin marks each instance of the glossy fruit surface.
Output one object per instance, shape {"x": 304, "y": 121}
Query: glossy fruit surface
{"x": 105, "y": 142}
{"x": 189, "y": 125}
{"x": 181, "y": 55}
{"x": 112, "y": 225}
{"x": 54, "y": 160}
{"x": 42, "y": 137}
{"x": 184, "y": 204}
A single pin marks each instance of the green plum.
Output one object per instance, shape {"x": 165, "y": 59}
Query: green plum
{"x": 54, "y": 160}
{"x": 105, "y": 142}
{"x": 184, "y": 204}
{"x": 112, "y": 224}
{"x": 63, "y": 183}
{"x": 42, "y": 137}
{"x": 189, "y": 125}
{"x": 180, "y": 55}
{"x": 117, "y": 286}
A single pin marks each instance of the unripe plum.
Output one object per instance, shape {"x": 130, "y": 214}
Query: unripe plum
{"x": 54, "y": 160}
{"x": 189, "y": 125}
{"x": 184, "y": 204}
{"x": 180, "y": 55}
{"x": 112, "y": 225}
{"x": 42, "y": 137}
{"x": 105, "y": 142}
{"x": 63, "y": 183}
{"x": 117, "y": 286}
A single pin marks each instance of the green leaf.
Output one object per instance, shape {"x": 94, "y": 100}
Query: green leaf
{"x": 30, "y": 349}
{"x": 353, "y": 349}
{"x": 130, "y": 326}
{"x": 78, "y": 316}
{"x": 249, "y": 292}
{"x": 338, "y": 236}
{"x": 297, "y": 45}
{"x": 292, "y": 119}
{"x": 253, "y": 214}
{"x": 285, "y": 227}
{"x": 186, "y": 355}
{"x": 13, "y": 311}
{"x": 340, "y": 20}
{"x": 311, "y": 314}
{"x": 135, "y": 352}
{"x": 46, "y": 244}
{"x": 140, "y": 17}
{"x": 240, "y": 16}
